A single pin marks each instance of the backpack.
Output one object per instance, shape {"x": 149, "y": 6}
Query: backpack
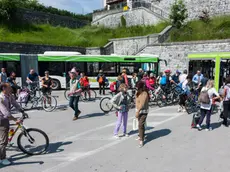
{"x": 112, "y": 87}
{"x": 204, "y": 97}
{"x": 163, "y": 80}
{"x": 100, "y": 80}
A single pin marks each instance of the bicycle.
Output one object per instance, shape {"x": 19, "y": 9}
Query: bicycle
{"x": 84, "y": 95}
{"x": 27, "y": 135}
{"x": 48, "y": 102}
{"x": 34, "y": 88}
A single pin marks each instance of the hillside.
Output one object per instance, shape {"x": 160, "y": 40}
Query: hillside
{"x": 216, "y": 28}
{"x": 84, "y": 37}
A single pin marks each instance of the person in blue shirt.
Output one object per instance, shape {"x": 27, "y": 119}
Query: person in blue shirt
{"x": 197, "y": 78}
{"x": 32, "y": 77}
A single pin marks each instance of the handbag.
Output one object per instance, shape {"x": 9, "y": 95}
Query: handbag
{"x": 135, "y": 124}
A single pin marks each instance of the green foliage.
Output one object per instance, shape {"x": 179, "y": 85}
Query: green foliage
{"x": 8, "y": 8}
{"x": 216, "y": 28}
{"x": 123, "y": 21}
{"x": 178, "y": 14}
{"x": 84, "y": 37}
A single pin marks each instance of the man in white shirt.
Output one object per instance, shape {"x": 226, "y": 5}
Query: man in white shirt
{"x": 183, "y": 76}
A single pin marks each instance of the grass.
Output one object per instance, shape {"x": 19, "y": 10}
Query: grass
{"x": 217, "y": 28}
{"x": 89, "y": 36}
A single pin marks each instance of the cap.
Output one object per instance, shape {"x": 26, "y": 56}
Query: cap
{"x": 167, "y": 71}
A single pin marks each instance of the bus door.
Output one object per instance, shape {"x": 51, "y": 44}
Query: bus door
{"x": 207, "y": 67}
{"x": 224, "y": 69}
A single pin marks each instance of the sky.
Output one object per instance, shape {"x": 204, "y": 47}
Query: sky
{"x": 76, "y": 6}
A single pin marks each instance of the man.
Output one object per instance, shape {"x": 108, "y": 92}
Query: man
{"x": 75, "y": 92}
{"x": 101, "y": 81}
{"x": 31, "y": 78}
{"x": 3, "y": 76}
{"x": 12, "y": 81}
{"x": 183, "y": 76}
{"x": 140, "y": 74}
{"x": 176, "y": 76}
{"x": 197, "y": 78}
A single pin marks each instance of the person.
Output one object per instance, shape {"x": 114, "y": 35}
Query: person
{"x": 118, "y": 82}
{"x": 206, "y": 108}
{"x": 152, "y": 80}
{"x": 226, "y": 102}
{"x": 101, "y": 80}
{"x": 3, "y": 76}
{"x": 183, "y": 76}
{"x": 12, "y": 81}
{"x": 124, "y": 77}
{"x": 140, "y": 74}
{"x": 159, "y": 77}
{"x": 121, "y": 103}
{"x": 204, "y": 80}
{"x": 197, "y": 78}
{"x": 183, "y": 96}
{"x": 145, "y": 79}
{"x": 75, "y": 92}
{"x": 142, "y": 109}
{"x": 134, "y": 80}
{"x": 166, "y": 81}
{"x": 6, "y": 100}
{"x": 176, "y": 76}
{"x": 84, "y": 82}
{"x": 31, "y": 79}
{"x": 47, "y": 84}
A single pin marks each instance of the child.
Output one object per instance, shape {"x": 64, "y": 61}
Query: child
{"x": 121, "y": 102}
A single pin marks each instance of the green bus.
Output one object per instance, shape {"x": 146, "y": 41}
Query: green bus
{"x": 59, "y": 63}
{"x": 216, "y": 65}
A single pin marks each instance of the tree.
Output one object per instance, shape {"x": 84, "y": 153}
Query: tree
{"x": 179, "y": 14}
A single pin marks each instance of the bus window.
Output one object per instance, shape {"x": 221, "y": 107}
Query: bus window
{"x": 54, "y": 68}
{"x": 79, "y": 65}
{"x": 92, "y": 68}
{"x": 109, "y": 68}
{"x": 13, "y": 66}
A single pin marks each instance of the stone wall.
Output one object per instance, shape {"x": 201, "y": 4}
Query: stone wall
{"x": 176, "y": 53}
{"x": 195, "y": 7}
{"x": 52, "y": 19}
{"x": 138, "y": 16}
{"x": 6, "y": 47}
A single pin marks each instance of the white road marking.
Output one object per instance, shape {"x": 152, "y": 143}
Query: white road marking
{"x": 77, "y": 156}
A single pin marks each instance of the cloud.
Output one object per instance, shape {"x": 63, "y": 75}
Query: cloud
{"x": 76, "y": 6}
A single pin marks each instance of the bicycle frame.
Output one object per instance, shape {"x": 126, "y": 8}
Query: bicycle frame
{"x": 19, "y": 126}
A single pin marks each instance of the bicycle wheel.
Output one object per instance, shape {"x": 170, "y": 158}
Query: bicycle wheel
{"x": 161, "y": 101}
{"x": 66, "y": 94}
{"x": 33, "y": 141}
{"x": 49, "y": 103}
{"x": 88, "y": 95}
{"x": 105, "y": 104}
{"x": 189, "y": 107}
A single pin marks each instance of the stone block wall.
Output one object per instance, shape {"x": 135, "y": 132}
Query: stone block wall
{"x": 138, "y": 16}
{"x": 176, "y": 53}
{"x": 52, "y": 19}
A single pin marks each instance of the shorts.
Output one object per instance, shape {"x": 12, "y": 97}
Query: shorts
{"x": 46, "y": 91}
{"x": 85, "y": 88}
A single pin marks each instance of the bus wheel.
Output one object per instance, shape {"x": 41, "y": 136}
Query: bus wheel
{"x": 56, "y": 84}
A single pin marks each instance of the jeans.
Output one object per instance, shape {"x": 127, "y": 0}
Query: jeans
{"x": 206, "y": 113}
{"x": 141, "y": 125}
{"x": 226, "y": 112}
{"x": 73, "y": 103}
{"x": 124, "y": 116}
{"x": 102, "y": 87}
{"x": 4, "y": 128}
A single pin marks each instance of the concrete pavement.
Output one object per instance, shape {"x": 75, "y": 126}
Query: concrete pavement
{"x": 87, "y": 145}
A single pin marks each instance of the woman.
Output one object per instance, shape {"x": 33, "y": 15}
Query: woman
{"x": 206, "y": 108}
{"x": 125, "y": 77}
{"x": 142, "y": 109}
{"x": 185, "y": 87}
{"x": 226, "y": 102}
{"x": 47, "y": 84}
{"x": 6, "y": 100}
{"x": 84, "y": 81}
{"x": 121, "y": 103}
{"x": 75, "y": 92}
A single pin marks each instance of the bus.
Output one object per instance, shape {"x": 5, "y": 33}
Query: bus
{"x": 58, "y": 64}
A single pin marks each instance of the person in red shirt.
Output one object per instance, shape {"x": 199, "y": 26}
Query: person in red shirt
{"x": 84, "y": 82}
{"x": 152, "y": 80}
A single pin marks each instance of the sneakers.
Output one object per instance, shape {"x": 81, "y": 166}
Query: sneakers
{"x": 125, "y": 135}
{"x": 184, "y": 110}
{"x": 198, "y": 127}
{"x": 179, "y": 109}
{"x": 78, "y": 113}
{"x": 116, "y": 136}
{"x": 75, "y": 118}
{"x": 141, "y": 144}
{"x": 5, "y": 162}
{"x": 208, "y": 129}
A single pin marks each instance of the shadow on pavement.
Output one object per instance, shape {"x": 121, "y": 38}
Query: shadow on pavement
{"x": 157, "y": 134}
{"x": 216, "y": 125}
{"x": 92, "y": 115}
{"x": 136, "y": 131}
{"x": 53, "y": 148}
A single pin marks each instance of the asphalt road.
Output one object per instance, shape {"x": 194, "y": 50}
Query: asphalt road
{"x": 88, "y": 145}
